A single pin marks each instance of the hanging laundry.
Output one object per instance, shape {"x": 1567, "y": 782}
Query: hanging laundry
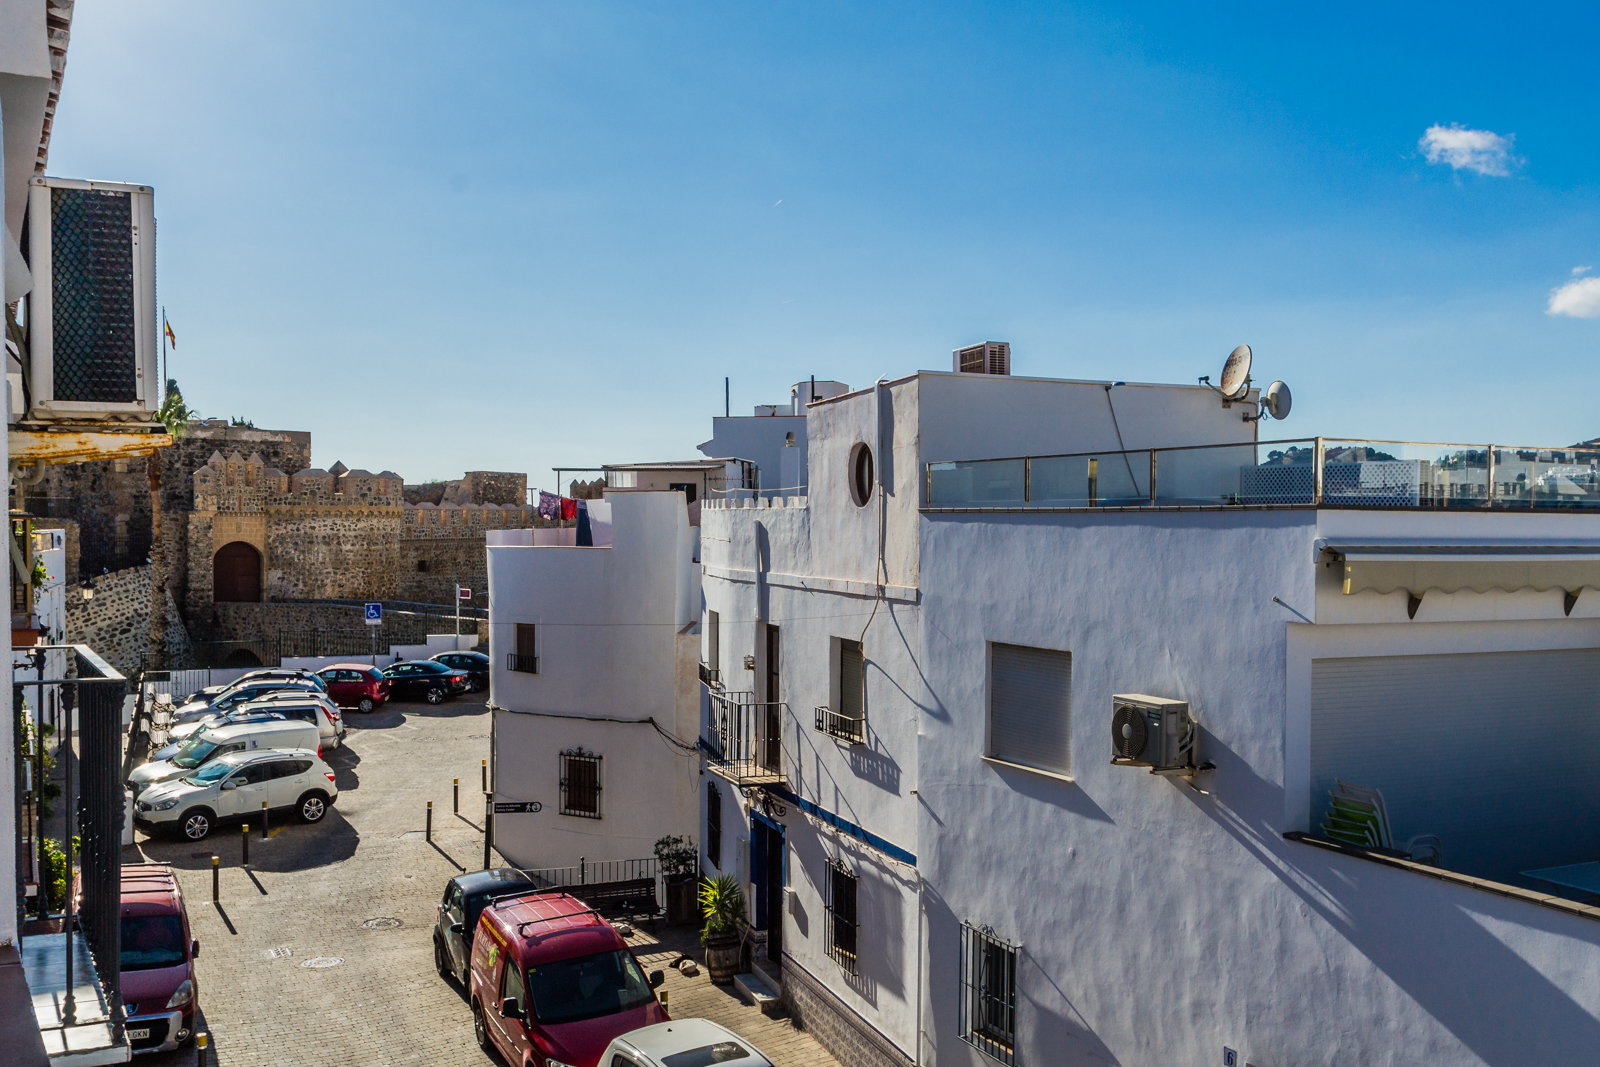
{"x": 569, "y": 509}
{"x": 549, "y": 506}
{"x": 599, "y": 523}
{"x": 585, "y": 534}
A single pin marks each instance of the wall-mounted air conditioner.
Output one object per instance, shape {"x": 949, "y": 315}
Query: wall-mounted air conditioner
{"x": 1151, "y": 732}
{"x": 991, "y": 357}
{"x": 93, "y": 344}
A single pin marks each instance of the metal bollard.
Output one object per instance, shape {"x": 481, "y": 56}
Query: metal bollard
{"x": 264, "y": 834}
{"x": 485, "y": 776}
{"x": 427, "y": 835}
{"x": 246, "y": 838}
{"x": 216, "y": 876}
{"x": 488, "y": 826}
{"x": 200, "y": 1042}
{"x": 664, "y": 994}
{"x": 457, "y": 791}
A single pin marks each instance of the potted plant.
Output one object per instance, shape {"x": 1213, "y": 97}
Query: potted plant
{"x": 722, "y": 904}
{"x": 678, "y": 859}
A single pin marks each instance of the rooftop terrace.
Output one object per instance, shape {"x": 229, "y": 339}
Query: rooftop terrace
{"x": 1311, "y": 472}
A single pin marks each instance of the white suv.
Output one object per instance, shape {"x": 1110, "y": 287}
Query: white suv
{"x": 234, "y": 786}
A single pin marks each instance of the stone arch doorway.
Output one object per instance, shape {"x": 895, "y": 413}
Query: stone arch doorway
{"x": 242, "y": 657}
{"x": 236, "y": 573}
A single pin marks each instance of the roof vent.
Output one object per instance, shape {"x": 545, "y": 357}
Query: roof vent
{"x": 990, "y": 357}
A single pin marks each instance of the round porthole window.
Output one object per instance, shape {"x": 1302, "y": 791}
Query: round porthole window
{"x": 861, "y": 475}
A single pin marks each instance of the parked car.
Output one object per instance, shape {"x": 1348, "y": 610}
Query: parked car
{"x": 198, "y": 709}
{"x": 180, "y": 735}
{"x": 213, "y": 743}
{"x": 302, "y": 704}
{"x": 456, "y": 916}
{"x": 233, "y": 786}
{"x": 159, "y": 989}
{"x": 265, "y": 674}
{"x": 355, "y": 685}
{"x": 553, "y": 981}
{"x": 424, "y": 678}
{"x": 476, "y": 664}
{"x": 683, "y": 1043}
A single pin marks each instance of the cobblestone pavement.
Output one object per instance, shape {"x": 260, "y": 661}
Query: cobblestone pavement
{"x": 293, "y": 971}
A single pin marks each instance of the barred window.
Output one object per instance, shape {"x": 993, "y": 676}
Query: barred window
{"x": 989, "y": 993}
{"x": 841, "y": 908}
{"x": 714, "y": 825}
{"x": 580, "y": 783}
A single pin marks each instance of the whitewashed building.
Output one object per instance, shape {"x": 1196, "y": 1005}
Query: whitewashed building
{"x": 593, "y": 683}
{"x": 913, "y": 672}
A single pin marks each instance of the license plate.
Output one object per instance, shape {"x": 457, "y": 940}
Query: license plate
{"x": 139, "y": 1035}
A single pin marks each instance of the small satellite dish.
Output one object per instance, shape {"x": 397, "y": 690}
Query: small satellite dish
{"x": 1277, "y": 400}
{"x": 1236, "y": 374}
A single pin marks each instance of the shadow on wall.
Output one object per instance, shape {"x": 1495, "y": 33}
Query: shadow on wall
{"x": 1434, "y": 940}
{"x": 1082, "y": 1044}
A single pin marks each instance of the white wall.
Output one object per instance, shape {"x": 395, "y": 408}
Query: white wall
{"x": 1158, "y": 924}
{"x": 761, "y": 440}
{"x": 616, "y": 641}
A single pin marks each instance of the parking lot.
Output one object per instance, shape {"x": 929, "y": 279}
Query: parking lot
{"x": 320, "y": 952}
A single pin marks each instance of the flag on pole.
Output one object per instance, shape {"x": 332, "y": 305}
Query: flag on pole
{"x": 171, "y": 337}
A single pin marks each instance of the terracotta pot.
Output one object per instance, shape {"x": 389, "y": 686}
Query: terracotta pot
{"x": 722, "y": 959}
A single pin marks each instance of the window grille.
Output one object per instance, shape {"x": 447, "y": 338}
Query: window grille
{"x": 989, "y": 993}
{"x": 580, "y": 783}
{"x": 841, "y": 908}
{"x": 714, "y": 825}
{"x": 1030, "y": 706}
{"x": 526, "y": 658}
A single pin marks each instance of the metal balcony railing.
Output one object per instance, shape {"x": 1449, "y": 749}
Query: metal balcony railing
{"x": 844, "y": 727}
{"x": 1318, "y": 472}
{"x": 710, "y": 677}
{"x": 745, "y": 739}
{"x": 522, "y": 664}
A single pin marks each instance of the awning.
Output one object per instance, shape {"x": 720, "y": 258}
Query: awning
{"x": 1385, "y": 566}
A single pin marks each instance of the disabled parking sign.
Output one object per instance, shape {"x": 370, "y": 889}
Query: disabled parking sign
{"x": 374, "y": 615}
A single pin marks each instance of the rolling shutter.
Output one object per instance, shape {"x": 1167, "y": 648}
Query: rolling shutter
{"x": 1030, "y": 706}
{"x": 1494, "y": 753}
{"x": 850, "y": 704}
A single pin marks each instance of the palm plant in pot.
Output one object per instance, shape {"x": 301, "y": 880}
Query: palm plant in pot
{"x": 722, "y": 904}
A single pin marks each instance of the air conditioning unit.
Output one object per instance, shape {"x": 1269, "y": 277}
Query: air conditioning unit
{"x": 991, "y": 357}
{"x": 93, "y": 341}
{"x": 1151, "y": 732}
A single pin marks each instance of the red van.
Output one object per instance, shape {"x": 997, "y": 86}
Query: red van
{"x": 553, "y": 983}
{"x": 159, "y": 987}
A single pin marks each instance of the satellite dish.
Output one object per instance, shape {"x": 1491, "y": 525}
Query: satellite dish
{"x": 1277, "y": 400}
{"x": 1236, "y": 373}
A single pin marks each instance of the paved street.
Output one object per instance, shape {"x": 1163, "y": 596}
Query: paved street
{"x": 320, "y": 952}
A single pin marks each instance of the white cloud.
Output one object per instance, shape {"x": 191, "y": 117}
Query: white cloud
{"x": 1580, "y": 299}
{"x": 1481, "y": 151}
{"x": 1581, "y": 270}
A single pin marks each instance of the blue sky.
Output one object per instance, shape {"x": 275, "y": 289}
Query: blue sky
{"x": 515, "y": 235}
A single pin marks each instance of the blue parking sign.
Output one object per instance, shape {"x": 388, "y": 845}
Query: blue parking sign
{"x": 374, "y": 614}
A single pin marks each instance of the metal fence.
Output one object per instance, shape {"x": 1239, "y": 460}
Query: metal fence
{"x": 270, "y": 649}
{"x": 1320, "y": 471}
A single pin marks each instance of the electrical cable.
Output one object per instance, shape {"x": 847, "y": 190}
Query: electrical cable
{"x": 1120, "y": 443}
{"x": 671, "y": 738}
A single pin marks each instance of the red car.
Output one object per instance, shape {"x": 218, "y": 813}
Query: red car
{"x": 355, "y": 685}
{"x": 158, "y": 982}
{"x": 552, "y": 982}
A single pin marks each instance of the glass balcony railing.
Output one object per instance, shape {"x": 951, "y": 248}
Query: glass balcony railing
{"x": 1320, "y": 471}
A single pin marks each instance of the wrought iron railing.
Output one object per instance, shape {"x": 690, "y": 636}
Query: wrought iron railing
{"x": 522, "y": 664}
{"x": 710, "y": 677}
{"x": 1320, "y": 471}
{"x": 745, "y": 738}
{"x": 844, "y": 727}
{"x": 988, "y": 1008}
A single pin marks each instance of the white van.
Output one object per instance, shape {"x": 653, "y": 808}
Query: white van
{"x": 205, "y": 745}
{"x": 307, "y": 707}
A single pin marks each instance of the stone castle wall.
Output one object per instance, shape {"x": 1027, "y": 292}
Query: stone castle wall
{"x": 116, "y": 623}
